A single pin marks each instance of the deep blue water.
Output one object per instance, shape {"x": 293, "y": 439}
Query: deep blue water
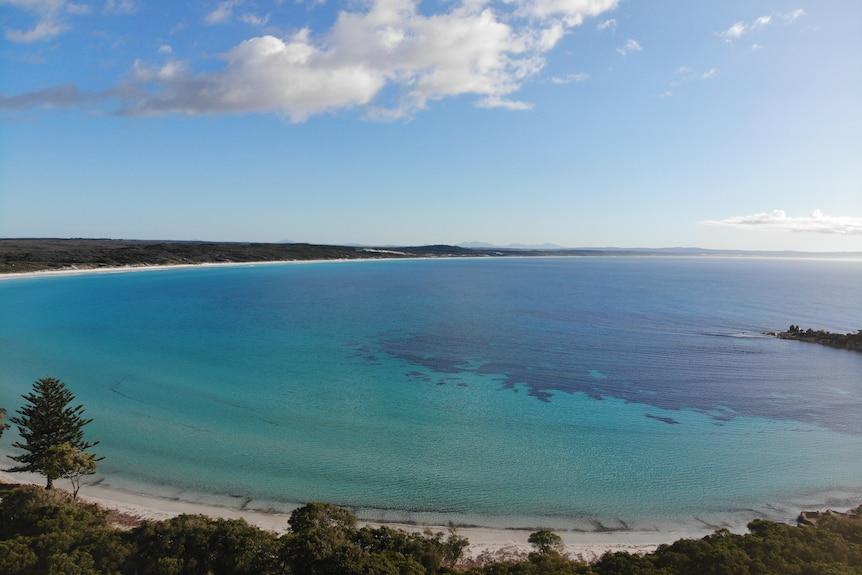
{"x": 569, "y": 392}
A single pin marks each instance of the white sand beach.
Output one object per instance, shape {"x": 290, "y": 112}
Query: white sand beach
{"x": 72, "y": 271}
{"x": 485, "y": 543}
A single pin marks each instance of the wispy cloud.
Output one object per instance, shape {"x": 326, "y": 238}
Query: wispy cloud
{"x": 63, "y": 96}
{"x": 388, "y": 59}
{"x": 742, "y": 28}
{"x": 228, "y": 11}
{"x": 43, "y": 30}
{"x": 629, "y": 47}
{"x": 222, "y": 13}
{"x": 254, "y": 19}
{"x": 685, "y": 75}
{"x": 53, "y": 16}
{"x": 121, "y": 6}
{"x": 570, "y": 78}
{"x": 50, "y": 19}
{"x": 605, "y": 24}
{"x": 778, "y": 220}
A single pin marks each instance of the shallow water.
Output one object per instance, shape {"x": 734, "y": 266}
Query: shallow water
{"x": 576, "y": 393}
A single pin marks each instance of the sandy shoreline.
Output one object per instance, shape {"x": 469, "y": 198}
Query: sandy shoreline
{"x": 484, "y": 542}
{"x": 162, "y": 267}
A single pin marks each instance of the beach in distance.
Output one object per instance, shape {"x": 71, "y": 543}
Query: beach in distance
{"x": 622, "y": 401}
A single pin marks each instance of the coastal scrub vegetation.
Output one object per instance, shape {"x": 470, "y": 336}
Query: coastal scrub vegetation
{"x": 48, "y": 532}
{"x": 851, "y": 341}
{"x": 53, "y": 435}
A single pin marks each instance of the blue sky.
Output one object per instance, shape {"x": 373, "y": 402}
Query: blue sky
{"x": 729, "y": 125}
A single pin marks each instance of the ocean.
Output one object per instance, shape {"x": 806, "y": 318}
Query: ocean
{"x": 592, "y": 393}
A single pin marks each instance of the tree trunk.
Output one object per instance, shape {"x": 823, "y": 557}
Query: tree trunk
{"x": 50, "y": 484}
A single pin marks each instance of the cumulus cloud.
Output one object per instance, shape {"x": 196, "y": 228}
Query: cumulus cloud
{"x": 629, "y": 47}
{"x": 389, "y": 60}
{"x": 384, "y": 57}
{"x": 778, "y": 220}
{"x": 741, "y": 28}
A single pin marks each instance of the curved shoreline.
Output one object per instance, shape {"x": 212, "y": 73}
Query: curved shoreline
{"x": 484, "y": 542}
{"x": 488, "y": 543}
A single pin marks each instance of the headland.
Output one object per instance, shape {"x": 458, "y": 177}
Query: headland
{"x": 851, "y": 341}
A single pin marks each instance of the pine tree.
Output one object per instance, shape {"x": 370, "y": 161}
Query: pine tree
{"x": 3, "y": 425}
{"x": 49, "y": 427}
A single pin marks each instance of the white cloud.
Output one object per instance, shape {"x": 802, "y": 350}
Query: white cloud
{"x": 778, "y": 220}
{"x": 384, "y": 57}
{"x": 49, "y": 19}
{"x": 798, "y": 13}
{"x": 605, "y": 24}
{"x": 629, "y": 47}
{"x": 685, "y": 75}
{"x": 222, "y": 13}
{"x": 572, "y": 12}
{"x": 389, "y": 60}
{"x": 570, "y": 78}
{"x": 121, "y": 6}
{"x": 254, "y": 19}
{"x": 52, "y": 17}
{"x": 741, "y": 28}
{"x": 165, "y": 49}
{"x": 44, "y": 30}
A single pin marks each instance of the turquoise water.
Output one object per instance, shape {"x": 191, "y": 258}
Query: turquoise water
{"x": 576, "y": 393}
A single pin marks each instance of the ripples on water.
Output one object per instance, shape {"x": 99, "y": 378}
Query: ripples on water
{"x": 569, "y": 392}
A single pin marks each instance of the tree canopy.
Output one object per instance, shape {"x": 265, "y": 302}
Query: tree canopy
{"x": 52, "y": 434}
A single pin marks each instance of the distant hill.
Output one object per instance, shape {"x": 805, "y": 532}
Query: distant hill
{"x": 28, "y": 255}
{"x": 483, "y": 245}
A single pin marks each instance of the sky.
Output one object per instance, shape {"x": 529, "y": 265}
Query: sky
{"x": 581, "y": 123}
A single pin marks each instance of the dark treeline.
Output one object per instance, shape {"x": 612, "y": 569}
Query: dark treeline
{"x": 47, "y": 532}
{"x": 851, "y": 341}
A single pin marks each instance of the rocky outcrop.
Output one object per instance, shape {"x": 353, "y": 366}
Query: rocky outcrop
{"x": 851, "y": 341}
{"x": 812, "y": 517}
